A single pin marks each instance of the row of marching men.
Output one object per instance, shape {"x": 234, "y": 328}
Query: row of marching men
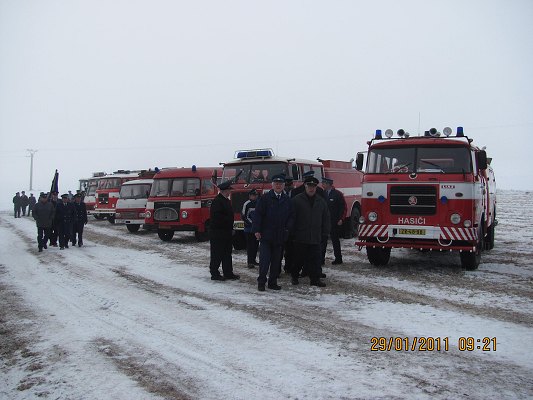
{"x": 59, "y": 220}
{"x": 295, "y": 222}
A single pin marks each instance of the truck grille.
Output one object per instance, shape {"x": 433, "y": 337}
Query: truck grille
{"x": 128, "y": 215}
{"x": 413, "y": 200}
{"x": 167, "y": 211}
{"x": 103, "y": 198}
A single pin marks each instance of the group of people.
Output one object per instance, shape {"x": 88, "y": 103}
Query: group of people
{"x": 59, "y": 220}
{"x": 285, "y": 222}
{"x": 21, "y": 202}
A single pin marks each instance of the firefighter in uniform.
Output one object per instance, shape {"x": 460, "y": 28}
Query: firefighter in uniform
{"x": 337, "y": 209}
{"x": 220, "y": 235}
{"x": 81, "y": 220}
{"x": 43, "y": 213}
{"x": 272, "y": 221}
{"x": 65, "y": 218}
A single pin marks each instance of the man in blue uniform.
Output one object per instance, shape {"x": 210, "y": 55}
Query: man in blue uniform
{"x": 272, "y": 221}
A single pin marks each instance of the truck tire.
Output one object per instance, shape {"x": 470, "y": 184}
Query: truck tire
{"x": 352, "y": 224}
{"x": 470, "y": 259}
{"x": 99, "y": 217}
{"x": 111, "y": 219}
{"x": 378, "y": 255}
{"x": 133, "y": 227}
{"x": 202, "y": 236}
{"x": 165, "y": 235}
{"x": 489, "y": 239}
{"x": 239, "y": 241}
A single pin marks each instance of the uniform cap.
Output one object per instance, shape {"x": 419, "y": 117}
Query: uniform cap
{"x": 309, "y": 173}
{"x": 42, "y": 194}
{"x": 253, "y": 191}
{"x": 289, "y": 179}
{"x": 311, "y": 180}
{"x": 278, "y": 178}
{"x": 64, "y": 195}
{"x": 327, "y": 180}
{"x": 225, "y": 185}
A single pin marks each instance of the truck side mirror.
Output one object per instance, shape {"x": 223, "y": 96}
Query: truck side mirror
{"x": 359, "y": 161}
{"x": 481, "y": 158}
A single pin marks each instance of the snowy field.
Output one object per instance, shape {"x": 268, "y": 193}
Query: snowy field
{"x": 131, "y": 317}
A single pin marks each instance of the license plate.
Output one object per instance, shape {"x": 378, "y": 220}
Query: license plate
{"x": 412, "y": 232}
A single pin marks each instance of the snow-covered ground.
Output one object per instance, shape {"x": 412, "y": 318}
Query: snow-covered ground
{"x": 130, "y": 317}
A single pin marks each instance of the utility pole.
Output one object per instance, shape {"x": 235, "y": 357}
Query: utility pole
{"x": 32, "y": 152}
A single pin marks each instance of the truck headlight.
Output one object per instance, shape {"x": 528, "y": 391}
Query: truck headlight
{"x": 455, "y": 219}
{"x": 372, "y": 216}
{"x": 184, "y": 214}
{"x": 467, "y": 223}
{"x": 148, "y": 214}
{"x": 361, "y": 219}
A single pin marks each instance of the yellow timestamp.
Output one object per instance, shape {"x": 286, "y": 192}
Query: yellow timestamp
{"x": 429, "y": 343}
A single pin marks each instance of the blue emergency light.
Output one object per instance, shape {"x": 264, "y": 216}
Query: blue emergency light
{"x": 460, "y": 131}
{"x": 378, "y": 134}
{"x": 254, "y": 153}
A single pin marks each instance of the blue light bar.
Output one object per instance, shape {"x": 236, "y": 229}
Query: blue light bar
{"x": 460, "y": 131}
{"x": 378, "y": 134}
{"x": 254, "y": 153}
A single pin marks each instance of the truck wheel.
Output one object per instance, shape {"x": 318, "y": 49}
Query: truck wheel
{"x": 378, "y": 255}
{"x": 353, "y": 224}
{"x": 202, "y": 236}
{"x": 489, "y": 239}
{"x": 133, "y": 227}
{"x": 111, "y": 219}
{"x": 239, "y": 241}
{"x": 470, "y": 259}
{"x": 165, "y": 235}
{"x": 98, "y": 216}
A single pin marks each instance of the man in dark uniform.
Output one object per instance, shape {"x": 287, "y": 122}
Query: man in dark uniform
{"x": 65, "y": 218}
{"x": 337, "y": 210}
{"x": 16, "y": 204}
{"x": 272, "y": 221}
{"x": 53, "y": 230}
{"x": 31, "y": 203}
{"x": 220, "y": 235}
{"x": 311, "y": 224}
{"x": 43, "y": 213}
{"x": 24, "y": 203}
{"x": 81, "y": 220}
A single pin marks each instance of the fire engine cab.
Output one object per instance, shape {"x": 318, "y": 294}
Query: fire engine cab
{"x": 131, "y": 205}
{"x": 108, "y": 189}
{"x": 253, "y": 169}
{"x": 431, "y": 192}
{"x": 180, "y": 200}
{"x": 90, "y": 193}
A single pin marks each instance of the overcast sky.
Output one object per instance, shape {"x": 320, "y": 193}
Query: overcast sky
{"x": 106, "y": 85}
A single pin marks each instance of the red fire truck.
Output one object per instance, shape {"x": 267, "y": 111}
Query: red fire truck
{"x": 179, "y": 201}
{"x": 428, "y": 192}
{"x": 108, "y": 190}
{"x": 90, "y": 193}
{"x": 131, "y": 205}
{"x": 253, "y": 169}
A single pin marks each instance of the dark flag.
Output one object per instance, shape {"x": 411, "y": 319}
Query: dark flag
{"x": 55, "y": 185}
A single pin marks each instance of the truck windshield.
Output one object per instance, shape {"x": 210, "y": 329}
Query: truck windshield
{"x": 182, "y": 187}
{"x": 92, "y": 188}
{"x": 140, "y": 191}
{"x": 421, "y": 159}
{"x": 111, "y": 183}
{"x": 254, "y": 172}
